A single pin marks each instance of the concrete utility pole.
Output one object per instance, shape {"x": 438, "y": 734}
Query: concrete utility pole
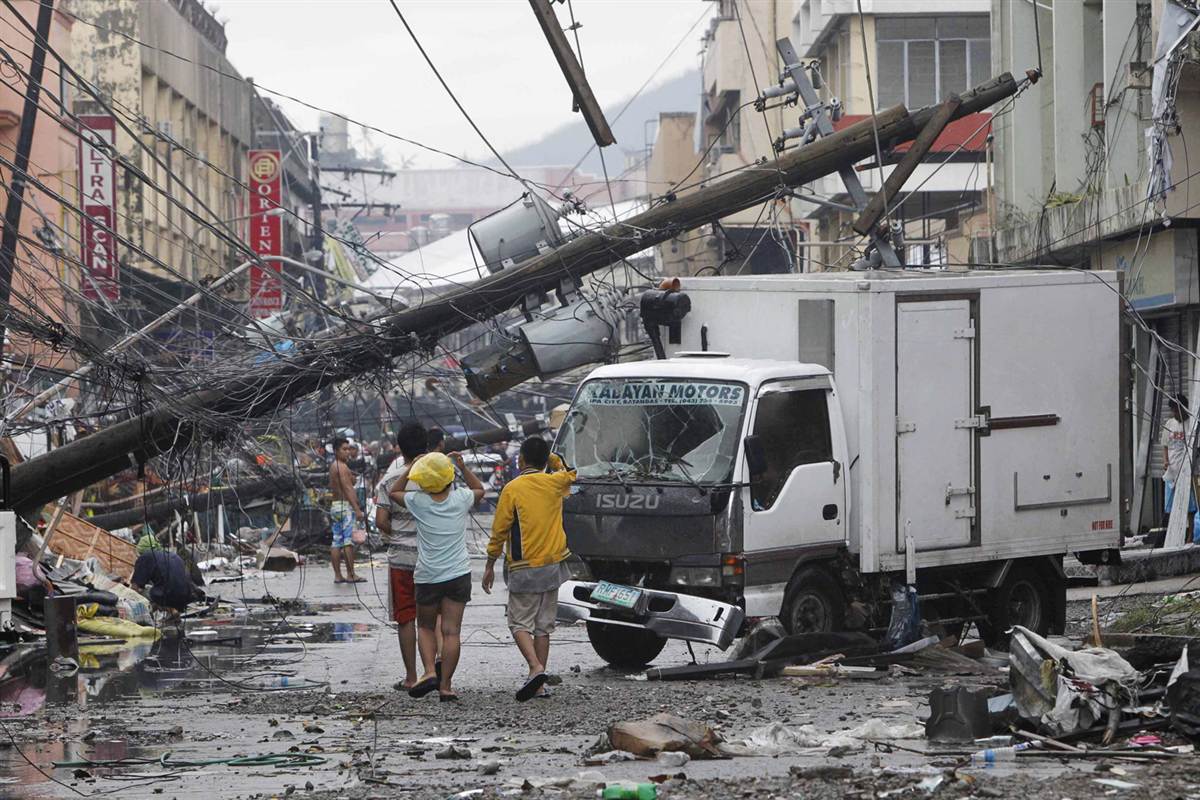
{"x": 201, "y": 415}
{"x": 585, "y": 100}
{"x": 16, "y": 190}
{"x": 159, "y": 509}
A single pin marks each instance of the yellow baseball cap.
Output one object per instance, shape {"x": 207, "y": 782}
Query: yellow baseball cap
{"x": 433, "y": 472}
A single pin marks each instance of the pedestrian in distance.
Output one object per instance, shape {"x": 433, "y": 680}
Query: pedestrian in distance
{"x": 399, "y": 531}
{"x": 1175, "y": 446}
{"x": 528, "y": 530}
{"x": 344, "y": 512}
{"x": 437, "y": 440}
{"x": 442, "y": 577}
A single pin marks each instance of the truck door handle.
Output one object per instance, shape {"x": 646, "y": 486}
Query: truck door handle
{"x": 830, "y": 511}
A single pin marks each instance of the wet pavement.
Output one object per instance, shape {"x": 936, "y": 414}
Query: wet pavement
{"x": 307, "y": 682}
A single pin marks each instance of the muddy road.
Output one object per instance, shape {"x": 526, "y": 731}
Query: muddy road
{"x": 307, "y": 684}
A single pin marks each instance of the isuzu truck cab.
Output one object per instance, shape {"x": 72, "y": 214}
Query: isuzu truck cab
{"x": 815, "y": 441}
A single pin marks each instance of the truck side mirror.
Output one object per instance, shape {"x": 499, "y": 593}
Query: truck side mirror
{"x": 756, "y": 456}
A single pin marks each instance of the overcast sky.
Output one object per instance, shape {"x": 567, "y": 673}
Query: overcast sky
{"x": 354, "y": 57}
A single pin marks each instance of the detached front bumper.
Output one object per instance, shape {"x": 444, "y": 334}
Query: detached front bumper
{"x": 668, "y": 614}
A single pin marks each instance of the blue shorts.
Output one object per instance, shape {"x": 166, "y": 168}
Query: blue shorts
{"x": 342, "y": 521}
{"x": 1171, "y": 498}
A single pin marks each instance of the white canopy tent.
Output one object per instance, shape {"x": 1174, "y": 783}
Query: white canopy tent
{"x": 450, "y": 261}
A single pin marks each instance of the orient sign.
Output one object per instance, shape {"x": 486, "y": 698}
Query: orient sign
{"x": 266, "y": 289}
{"x": 98, "y": 199}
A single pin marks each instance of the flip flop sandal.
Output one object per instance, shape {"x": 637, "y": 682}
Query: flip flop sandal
{"x": 530, "y": 689}
{"x": 359, "y": 579}
{"x": 448, "y": 698}
{"x": 424, "y": 687}
{"x": 339, "y": 580}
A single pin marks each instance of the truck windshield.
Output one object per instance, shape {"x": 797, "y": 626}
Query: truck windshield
{"x": 645, "y": 428}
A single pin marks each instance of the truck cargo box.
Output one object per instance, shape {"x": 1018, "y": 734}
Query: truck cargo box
{"x": 983, "y": 410}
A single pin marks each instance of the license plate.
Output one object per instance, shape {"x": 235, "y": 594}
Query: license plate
{"x": 614, "y": 594}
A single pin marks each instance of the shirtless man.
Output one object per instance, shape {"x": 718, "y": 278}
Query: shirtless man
{"x": 344, "y": 511}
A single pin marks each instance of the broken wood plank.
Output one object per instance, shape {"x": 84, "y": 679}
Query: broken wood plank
{"x": 833, "y": 671}
{"x": 77, "y": 538}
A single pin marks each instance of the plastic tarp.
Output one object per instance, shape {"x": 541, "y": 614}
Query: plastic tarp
{"x": 777, "y": 738}
{"x": 1092, "y": 664}
{"x": 110, "y": 627}
{"x": 1066, "y": 690}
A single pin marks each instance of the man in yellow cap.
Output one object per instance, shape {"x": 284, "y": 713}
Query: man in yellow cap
{"x": 443, "y": 573}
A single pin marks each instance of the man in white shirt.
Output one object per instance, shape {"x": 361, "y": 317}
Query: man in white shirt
{"x": 1175, "y": 446}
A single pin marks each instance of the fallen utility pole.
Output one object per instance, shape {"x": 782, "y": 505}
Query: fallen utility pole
{"x": 211, "y": 414}
{"x": 16, "y": 189}
{"x": 879, "y": 203}
{"x": 585, "y": 100}
{"x": 274, "y": 486}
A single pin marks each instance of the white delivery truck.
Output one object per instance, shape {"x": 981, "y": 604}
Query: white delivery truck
{"x": 813, "y": 441}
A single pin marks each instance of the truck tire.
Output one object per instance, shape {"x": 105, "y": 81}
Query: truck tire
{"x": 1025, "y": 598}
{"x": 622, "y": 647}
{"x": 813, "y": 603}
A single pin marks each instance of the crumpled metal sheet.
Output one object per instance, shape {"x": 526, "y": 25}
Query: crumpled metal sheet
{"x": 1065, "y": 690}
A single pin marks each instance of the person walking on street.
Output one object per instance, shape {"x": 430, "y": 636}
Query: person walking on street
{"x": 528, "y": 528}
{"x": 399, "y": 532}
{"x": 344, "y": 511}
{"x": 442, "y": 577}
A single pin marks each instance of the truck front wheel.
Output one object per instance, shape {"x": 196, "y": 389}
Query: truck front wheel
{"x": 623, "y": 647}
{"x": 813, "y": 603}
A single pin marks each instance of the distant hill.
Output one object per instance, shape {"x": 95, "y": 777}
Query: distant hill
{"x": 566, "y": 144}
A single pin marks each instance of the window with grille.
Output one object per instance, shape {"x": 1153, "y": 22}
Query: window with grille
{"x": 921, "y": 60}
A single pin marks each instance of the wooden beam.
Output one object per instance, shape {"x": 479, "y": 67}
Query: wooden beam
{"x": 870, "y": 215}
{"x": 576, "y": 79}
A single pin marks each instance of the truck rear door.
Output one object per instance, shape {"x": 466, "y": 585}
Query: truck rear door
{"x": 935, "y": 423}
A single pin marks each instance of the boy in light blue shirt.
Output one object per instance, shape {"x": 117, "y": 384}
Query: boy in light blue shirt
{"x": 443, "y": 573}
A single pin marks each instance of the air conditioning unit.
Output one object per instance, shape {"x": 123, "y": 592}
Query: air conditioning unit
{"x": 981, "y": 250}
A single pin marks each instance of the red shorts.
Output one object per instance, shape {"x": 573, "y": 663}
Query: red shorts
{"x": 402, "y": 594}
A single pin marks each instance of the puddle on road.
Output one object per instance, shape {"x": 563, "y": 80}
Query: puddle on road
{"x": 251, "y": 652}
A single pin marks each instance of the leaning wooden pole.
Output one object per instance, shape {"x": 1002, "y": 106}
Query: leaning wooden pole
{"x": 209, "y": 413}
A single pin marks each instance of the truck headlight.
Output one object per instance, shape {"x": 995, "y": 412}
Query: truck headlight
{"x": 695, "y": 576}
{"x": 578, "y": 569}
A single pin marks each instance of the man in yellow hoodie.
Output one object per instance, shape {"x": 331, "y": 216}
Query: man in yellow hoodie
{"x": 528, "y": 525}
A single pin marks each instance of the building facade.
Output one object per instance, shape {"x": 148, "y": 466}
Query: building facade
{"x": 181, "y": 106}
{"x": 1092, "y": 172}
{"x": 919, "y": 52}
{"x": 889, "y": 52}
{"x": 45, "y": 277}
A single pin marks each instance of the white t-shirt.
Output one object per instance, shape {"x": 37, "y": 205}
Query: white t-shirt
{"x": 1175, "y": 440}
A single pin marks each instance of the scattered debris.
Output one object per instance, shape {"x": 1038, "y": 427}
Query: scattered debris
{"x": 777, "y": 738}
{"x": 958, "y": 715}
{"x": 665, "y": 733}
{"x": 454, "y": 752}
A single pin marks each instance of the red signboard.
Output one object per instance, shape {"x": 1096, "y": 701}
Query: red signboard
{"x": 98, "y": 199}
{"x": 266, "y": 289}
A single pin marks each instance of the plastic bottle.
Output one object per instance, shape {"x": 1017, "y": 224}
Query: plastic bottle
{"x": 995, "y": 754}
{"x": 630, "y": 791}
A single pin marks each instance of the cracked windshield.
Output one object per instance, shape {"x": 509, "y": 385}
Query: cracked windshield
{"x": 678, "y": 430}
